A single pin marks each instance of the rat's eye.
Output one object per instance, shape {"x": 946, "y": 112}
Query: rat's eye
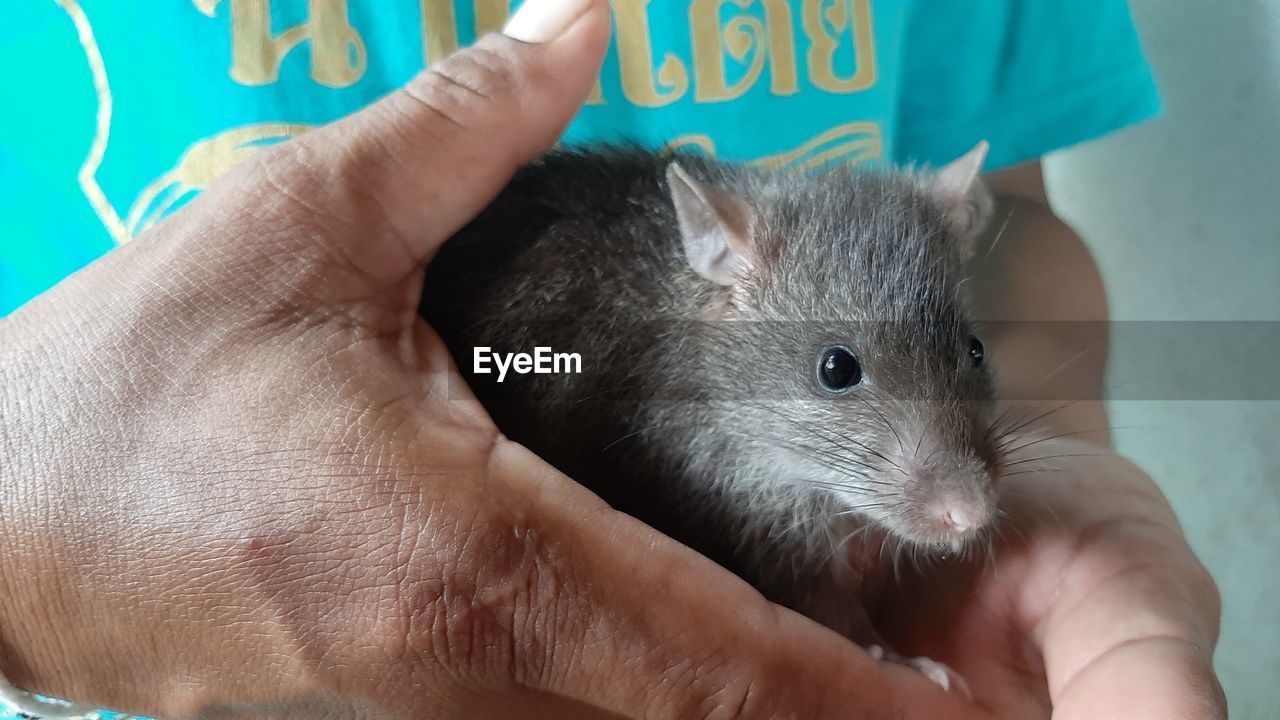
{"x": 976, "y": 352}
{"x": 838, "y": 369}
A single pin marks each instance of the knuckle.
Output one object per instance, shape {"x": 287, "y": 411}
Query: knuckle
{"x": 463, "y": 88}
{"x": 491, "y": 609}
{"x": 724, "y": 684}
{"x": 296, "y": 201}
{"x": 731, "y": 701}
{"x": 300, "y": 190}
{"x": 727, "y": 691}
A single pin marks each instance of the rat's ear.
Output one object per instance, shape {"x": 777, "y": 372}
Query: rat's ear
{"x": 715, "y": 227}
{"x": 965, "y": 199}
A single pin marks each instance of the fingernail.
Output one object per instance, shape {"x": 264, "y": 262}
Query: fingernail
{"x": 539, "y": 21}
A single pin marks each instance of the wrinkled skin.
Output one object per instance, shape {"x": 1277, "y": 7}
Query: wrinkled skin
{"x": 237, "y": 478}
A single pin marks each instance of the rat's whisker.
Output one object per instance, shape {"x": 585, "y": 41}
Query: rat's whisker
{"x": 1057, "y": 436}
{"x": 1023, "y": 422}
{"x": 991, "y": 248}
{"x": 871, "y": 450}
{"x": 1045, "y": 457}
{"x": 858, "y": 509}
{"x": 835, "y": 437}
{"x": 883, "y": 417}
{"x": 606, "y": 391}
{"x": 838, "y": 463}
{"x": 1038, "y": 471}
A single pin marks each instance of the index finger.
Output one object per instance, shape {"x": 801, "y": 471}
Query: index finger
{"x": 664, "y": 633}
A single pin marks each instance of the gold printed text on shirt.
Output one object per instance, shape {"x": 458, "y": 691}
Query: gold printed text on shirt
{"x": 88, "y": 175}
{"x": 829, "y": 24}
{"x": 745, "y": 39}
{"x": 635, "y": 57}
{"x": 440, "y": 24}
{"x": 200, "y": 166}
{"x": 338, "y": 55}
{"x": 833, "y": 32}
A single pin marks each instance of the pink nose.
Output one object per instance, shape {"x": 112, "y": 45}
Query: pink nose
{"x": 959, "y": 518}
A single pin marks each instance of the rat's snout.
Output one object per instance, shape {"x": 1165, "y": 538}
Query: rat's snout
{"x": 960, "y": 513}
{"x": 953, "y": 501}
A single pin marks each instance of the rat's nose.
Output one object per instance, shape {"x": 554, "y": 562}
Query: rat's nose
{"x": 958, "y": 518}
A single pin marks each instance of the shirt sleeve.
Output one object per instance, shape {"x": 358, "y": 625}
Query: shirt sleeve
{"x": 1028, "y": 76}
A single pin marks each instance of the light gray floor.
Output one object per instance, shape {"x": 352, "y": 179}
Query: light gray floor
{"x": 1184, "y": 217}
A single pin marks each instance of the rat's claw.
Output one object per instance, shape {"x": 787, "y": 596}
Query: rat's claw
{"x": 941, "y": 674}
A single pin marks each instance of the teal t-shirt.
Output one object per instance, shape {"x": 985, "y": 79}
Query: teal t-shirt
{"x": 117, "y": 113}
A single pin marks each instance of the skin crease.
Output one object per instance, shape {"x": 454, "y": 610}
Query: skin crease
{"x": 238, "y": 477}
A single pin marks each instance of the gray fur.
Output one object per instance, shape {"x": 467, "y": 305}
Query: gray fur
{"x": 698, "y": 410}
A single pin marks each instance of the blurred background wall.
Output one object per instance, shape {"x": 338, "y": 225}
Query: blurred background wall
{"x": 1183, "y": 214}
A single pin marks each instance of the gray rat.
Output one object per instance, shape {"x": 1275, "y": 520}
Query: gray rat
{"x": 771, "y": 363}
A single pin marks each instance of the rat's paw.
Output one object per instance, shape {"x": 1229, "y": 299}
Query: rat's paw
{"x": 938, "y": 672}
{"x": 941, "y": 674}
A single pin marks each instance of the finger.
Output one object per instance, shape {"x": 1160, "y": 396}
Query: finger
{"x": 623, "y": 619}
{"x": 393, "y": 181}
{"x": 1137, "y": 649}
{"x": 1134, "y": 619}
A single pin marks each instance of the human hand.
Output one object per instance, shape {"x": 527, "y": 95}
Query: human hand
{"x": 1089, "y": 606}
{"x": 238, "y": 476}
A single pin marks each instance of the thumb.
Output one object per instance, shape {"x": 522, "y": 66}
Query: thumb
{"x": 387, "y": 185}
